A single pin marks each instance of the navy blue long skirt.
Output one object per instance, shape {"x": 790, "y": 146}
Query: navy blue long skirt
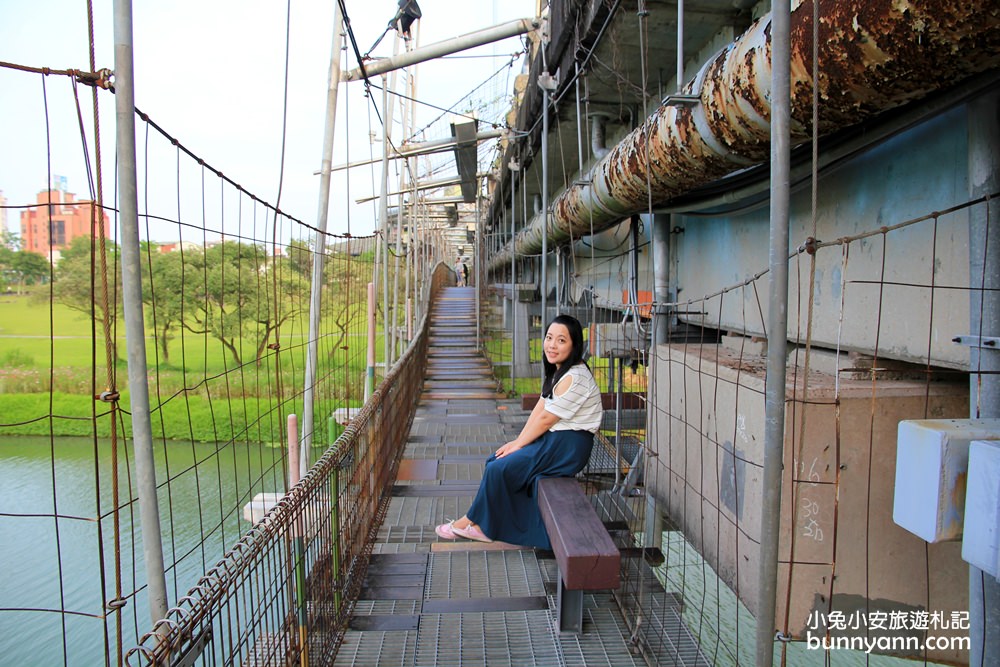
{"x": 505, "y": 507}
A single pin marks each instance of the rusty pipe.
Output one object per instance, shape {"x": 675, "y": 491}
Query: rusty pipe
{"x": 877, "y": 55}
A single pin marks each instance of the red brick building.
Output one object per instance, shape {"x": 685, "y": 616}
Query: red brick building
{"x": 57, "y": 219}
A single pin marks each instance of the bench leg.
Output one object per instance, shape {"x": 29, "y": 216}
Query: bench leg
{"x": 569, "y": 605}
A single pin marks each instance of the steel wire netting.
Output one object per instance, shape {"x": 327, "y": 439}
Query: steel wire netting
{"x": 872, "y": 340}
{"x": 287, "y": 588}
{"x": 226, "y": 303}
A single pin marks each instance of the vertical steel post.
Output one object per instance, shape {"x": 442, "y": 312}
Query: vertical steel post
{"x": 297, "y": 585}
{"x": 382, "y": 248}
{"x": 384, "y": 214}
{"x": 513, "y": 289}
{"x": 405, "y": 119}
{"x": 545, "y": 212}
{"x": 661, "y": 277}
{"x": 984, "y": 364}
{"x": 477, "y": 260}
{"x": 135, "y": 340}
{"x": 680, "y": 45}
{"x": 370, "y": 371}
{"x": 319, "y": 249}
{"x": 777, "y": 338}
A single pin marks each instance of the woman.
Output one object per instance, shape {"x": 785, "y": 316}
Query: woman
{"x": 555, "y": 442}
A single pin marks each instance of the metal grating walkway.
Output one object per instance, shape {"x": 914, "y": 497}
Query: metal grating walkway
{"x": 430, "y": 602}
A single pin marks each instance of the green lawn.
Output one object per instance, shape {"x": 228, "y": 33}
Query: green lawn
{"x": 204, "y": 393}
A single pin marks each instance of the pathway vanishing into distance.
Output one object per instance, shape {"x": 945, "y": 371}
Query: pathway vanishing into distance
{"x": 428, "y": 601}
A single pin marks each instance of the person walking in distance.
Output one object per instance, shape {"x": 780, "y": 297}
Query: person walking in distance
{"x": 461, "y": 273}
{"x": 555, "y": 442}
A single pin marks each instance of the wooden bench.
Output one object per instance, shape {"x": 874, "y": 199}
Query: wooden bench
{"x": 588, "y": 559}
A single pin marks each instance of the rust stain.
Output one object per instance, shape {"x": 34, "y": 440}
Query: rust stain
{"x": 874, "y": 55}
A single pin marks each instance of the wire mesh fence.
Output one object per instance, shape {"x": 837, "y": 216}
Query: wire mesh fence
{"x": 286, "y": 589}
{"x": 868, "y": 348}
{"x": 226, "y": 297}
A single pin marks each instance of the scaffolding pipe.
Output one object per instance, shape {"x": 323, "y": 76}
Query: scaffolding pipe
{"x": 419, "y": 185}
{"x": 135, "y": 341}
{"x": 680, "y": 147}
{"x": 777, "y": 334}
{"x": 392, "y": 331}
{"x": 421, "y": 148}
{"x": 545, "y": 210}
{"x": 319, "y": 250}
{"x": 660, "y": 232}
{"x": 680, "y": 44}
{"x": 513, "y": 287}
{"x": 444, "y": 48}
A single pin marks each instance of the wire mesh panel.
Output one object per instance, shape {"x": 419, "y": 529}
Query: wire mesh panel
{"x": 875, "y": 321}
{"x": 227, "y": 283}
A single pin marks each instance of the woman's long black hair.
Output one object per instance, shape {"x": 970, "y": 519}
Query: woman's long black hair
{"x": 552, "y": 374}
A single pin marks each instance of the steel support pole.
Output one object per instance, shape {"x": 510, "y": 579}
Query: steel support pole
{"x": 370, "y": 370}
{"x": 477, "y": 260}
{"x": 777, "y": 338}
{"x": 135, "y": 337}
{"x": 513, "y": 289}
{"x": 384, "y": 208}
{"x": 399, "y": 240}
{"x": 661, "y": 277}
{"x": 444, "y": 48}
{"x": 319, "y": 248}
{"x": 545, "y": 212}
{"x": 420, "y": 148}
{"x": 680, "y": 45}
{"x": 984, "y": 364}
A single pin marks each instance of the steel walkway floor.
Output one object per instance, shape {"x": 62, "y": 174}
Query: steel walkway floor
{"x": 432, "y": 602}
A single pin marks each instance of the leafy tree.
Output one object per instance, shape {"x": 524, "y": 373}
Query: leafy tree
{"x": 162, "y": 287}
{"x": 9, "y": 240}
{"x": 28, "y": 268}
{"x": 233, "y": 290}
{"x": 78, "y": 284}
{"x": 300, "y": 254}
{"x": 346, "y": 293}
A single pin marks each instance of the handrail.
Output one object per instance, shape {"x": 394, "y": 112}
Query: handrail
{"x": 288, "y": 586}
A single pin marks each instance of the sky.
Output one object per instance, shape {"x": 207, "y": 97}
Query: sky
{"x": 212, "y": 74}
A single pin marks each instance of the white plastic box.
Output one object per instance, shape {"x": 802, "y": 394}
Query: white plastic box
{"x": 981, "y": 543}
{"x": 932, "y": 462}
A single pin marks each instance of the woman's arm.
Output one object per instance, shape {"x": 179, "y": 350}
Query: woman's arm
{"x": 539, "y": 421}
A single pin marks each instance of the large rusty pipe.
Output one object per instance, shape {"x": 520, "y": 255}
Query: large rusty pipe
{"x": 877, "y": 55}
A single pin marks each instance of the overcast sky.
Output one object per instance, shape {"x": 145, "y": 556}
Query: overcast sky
{"x": 211, "y": 73}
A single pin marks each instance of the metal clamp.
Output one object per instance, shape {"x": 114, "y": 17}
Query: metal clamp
{"x": 985, "y": 342}
{"x": 549, "y": 82}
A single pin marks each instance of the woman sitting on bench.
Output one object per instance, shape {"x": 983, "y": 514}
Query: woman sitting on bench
{"x": 555, "y": 442}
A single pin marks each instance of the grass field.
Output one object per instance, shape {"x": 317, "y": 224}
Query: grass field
{"x": 51, "y": 368}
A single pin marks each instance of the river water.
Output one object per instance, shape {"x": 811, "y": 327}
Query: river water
{"x": 51, "y": 564}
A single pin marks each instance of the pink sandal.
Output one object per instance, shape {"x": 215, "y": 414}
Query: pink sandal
{"x": 471, "y": 532}
{"x": 446, "y": 531}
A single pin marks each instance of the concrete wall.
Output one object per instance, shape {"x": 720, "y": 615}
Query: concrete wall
{"x": 911, "y": 175}
{"x": 708, "y": 434}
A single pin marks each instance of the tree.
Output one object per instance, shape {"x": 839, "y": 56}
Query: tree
{"x": 300, "y": 254}
{"x": 78, "y": 283}
{"x": 28, "y": 268}
{"x": 162, "y": 287}
{"x": 234, "y": 291}
{"x": 346, "y": 293}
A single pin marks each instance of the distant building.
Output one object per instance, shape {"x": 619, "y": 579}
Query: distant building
{"x": 3, "y": 212}
{"x": 58, "y": 218}
{"x": 176, "y": 246}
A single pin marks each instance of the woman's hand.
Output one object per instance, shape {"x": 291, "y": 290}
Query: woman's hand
{"x": 508, "y": 448}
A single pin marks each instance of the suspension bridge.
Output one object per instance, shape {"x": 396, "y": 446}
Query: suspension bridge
{"x": 227, "y": 430}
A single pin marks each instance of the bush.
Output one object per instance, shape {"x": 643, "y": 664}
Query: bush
{"x": 16, "y": 359}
